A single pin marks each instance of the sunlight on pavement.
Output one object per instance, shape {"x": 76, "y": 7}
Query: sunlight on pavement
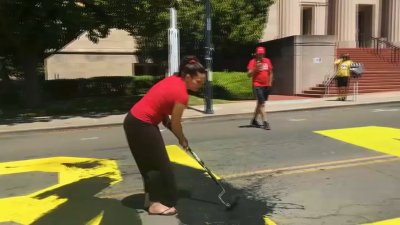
{"x": 26, "y": 209}
{"x": 382, "y": 139}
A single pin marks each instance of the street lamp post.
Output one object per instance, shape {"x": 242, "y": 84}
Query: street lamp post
{"x": 208, "y": 59}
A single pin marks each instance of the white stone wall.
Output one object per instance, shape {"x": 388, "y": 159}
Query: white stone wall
{"x": 284, "y": 19}
{"x": 113, "y": 60}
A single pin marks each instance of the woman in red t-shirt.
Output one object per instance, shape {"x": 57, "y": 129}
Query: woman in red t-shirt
{"x": 169, "y": 97}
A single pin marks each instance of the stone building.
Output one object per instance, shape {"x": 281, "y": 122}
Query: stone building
{"x": 350, "y": 21}
{"x": 345, "y": 23}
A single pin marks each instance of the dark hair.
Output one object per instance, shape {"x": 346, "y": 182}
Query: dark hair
{"x": 345, "y": 56}
{"x": 190, "y": 65}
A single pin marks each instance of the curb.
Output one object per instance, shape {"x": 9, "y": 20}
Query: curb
{"x": 187, "y": 119}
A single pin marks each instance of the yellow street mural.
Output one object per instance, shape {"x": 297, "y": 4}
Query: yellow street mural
{"x": 386, "y": 222}
{"x": 179, "y": 156}
{"x": 381, "y": 139}
{"x": 27, "y": 209}
{"x": 268, "y": 221}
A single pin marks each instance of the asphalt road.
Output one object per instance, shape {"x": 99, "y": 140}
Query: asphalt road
{"x": 329, "y": 166}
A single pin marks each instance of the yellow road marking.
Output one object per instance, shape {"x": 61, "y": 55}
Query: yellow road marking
{"x": 179, "y": 156}
{"x": 26, "y": 209}
{"x": 386, "y": 222}
{"x": 96, "y": 220}
{"x": 381, "y": 139}
{"x": 268, "y": 221}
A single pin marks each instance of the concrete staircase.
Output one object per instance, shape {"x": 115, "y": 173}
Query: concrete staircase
{"x": 380, "y": 74}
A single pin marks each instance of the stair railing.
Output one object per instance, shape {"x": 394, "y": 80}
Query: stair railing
{"x": 329, "y": 78}
{"x": 379, "y": 43}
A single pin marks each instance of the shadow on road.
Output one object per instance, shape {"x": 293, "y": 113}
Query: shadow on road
{"x": 198, "y": 202}
{"x": 91, "y": 107}
{"x": 82, "y": 206}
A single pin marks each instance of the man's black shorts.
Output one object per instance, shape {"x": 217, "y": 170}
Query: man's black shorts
{"x": 261, "y": 94}
{"x": 342, "y": 81}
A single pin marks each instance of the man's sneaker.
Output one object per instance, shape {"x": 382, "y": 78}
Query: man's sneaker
{"x": 255, "y": 123}
{"x": 266, "y": 126}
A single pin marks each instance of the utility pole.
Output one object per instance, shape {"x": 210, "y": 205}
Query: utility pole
{"x": 173, "y": 44}
{"x": 208, "y": 59}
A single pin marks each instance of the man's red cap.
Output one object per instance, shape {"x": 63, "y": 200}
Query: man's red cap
{"x": 260, "y": 50}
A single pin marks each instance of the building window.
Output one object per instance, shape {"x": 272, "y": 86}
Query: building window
{"x": 306, "y": 18}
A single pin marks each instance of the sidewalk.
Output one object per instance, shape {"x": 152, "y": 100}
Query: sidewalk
{"x": 276, "y": 104}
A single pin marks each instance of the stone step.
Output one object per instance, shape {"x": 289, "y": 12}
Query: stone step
{"x": 331, "y": 90}
{"x": 360, "y": 87}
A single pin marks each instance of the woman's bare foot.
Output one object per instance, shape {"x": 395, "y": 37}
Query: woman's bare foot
{"x": 156, "y": 208}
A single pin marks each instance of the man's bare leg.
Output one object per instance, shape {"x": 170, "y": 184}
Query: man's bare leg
{"x": 264, "y": 117}
{"x": 255, "y": 116}
{"x": 345, "y": 92}
{"x": 261, "y": 111}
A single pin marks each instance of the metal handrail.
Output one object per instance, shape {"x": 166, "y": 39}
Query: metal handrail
{"x": 379, "y": 43}
{"x": 329, "y": 78}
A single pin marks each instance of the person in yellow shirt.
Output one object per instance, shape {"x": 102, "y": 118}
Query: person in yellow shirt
{"x": 343, "y": 73}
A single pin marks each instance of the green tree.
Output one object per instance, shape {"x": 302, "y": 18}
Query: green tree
{"x": 30, "y": 30}
{"x": 236, "y": 25}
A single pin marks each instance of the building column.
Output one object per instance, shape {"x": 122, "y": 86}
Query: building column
{"x": 394, "y": 22}
{"x": 289, "y": 16}
{"x": 319, "y": 19}
{"x": 345, "y": 27}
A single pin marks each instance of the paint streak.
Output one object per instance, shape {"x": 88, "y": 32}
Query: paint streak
{"x": 27, "y": 209}
{"x": 96, "y": 220}
{"x": 381, "y": 139}
{"x": 386, "y": 222}
{"x": 179, "y": 156}
{"x": 268, "y": 221}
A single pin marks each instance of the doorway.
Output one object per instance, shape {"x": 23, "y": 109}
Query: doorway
{"x": 306, "y": 20}
{"x": 364, "y": 25}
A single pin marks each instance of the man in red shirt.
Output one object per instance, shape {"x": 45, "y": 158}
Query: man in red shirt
{"x": 260, "y": 70}
{"x": 164, "y": 102}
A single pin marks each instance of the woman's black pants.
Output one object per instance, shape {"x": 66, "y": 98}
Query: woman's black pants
{"x": 148, "y": 149}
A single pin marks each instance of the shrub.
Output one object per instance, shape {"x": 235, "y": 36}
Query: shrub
{"x": 99, "y": 86}
{"x": 144, "y": 82}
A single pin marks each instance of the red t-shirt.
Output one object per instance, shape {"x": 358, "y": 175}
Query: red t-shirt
{"x": 159, "y": 101}
{"x": 262, "y": 78}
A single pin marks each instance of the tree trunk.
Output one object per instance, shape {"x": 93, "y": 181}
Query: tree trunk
{"x": 31, "y": 93}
